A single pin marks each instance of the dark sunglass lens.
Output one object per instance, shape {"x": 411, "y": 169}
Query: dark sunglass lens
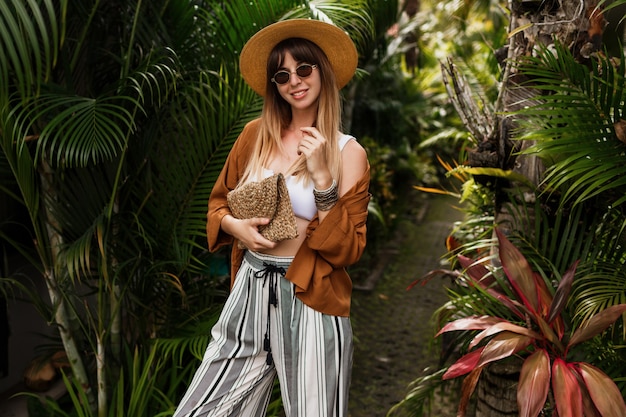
{"x": 281, "y": 77}
{"x": 304, "y": 70}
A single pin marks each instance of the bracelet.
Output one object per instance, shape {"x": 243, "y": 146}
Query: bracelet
{"x": 326, "y": 199}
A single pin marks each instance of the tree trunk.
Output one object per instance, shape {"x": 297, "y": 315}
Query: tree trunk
{"x": 497, "y": 390}
{"x": 570, "y": 22}
{"x": 64, "y": 316}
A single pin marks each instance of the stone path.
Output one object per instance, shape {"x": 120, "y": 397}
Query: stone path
{"x": 392, "y": 326}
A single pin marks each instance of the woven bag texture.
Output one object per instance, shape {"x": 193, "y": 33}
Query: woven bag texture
{"x": 268, "y": 198}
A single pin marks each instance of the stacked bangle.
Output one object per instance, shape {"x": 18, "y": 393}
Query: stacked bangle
{"x": 326, "y": 199}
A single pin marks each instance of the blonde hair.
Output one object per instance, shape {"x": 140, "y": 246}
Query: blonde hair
{"x": 276, "y": 114}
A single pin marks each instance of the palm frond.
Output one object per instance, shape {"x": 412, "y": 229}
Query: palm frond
{"x": 76, "y": 131}
{"x": 573, "y": 125}
{"x": 606, "y": 5}
{"x": 597, "y": 291}
{"x": 192, "y": 337}
{"x": 232, "y": 23}
{"x": 78, "y": 206}
{"x": 354, "y": 17}
{"x": 188, "y": 157}
{"x": 18, "y": 161}
{"x": 546, "y": 236}
{"x": 419, "y": 399}
{"x": 155, "y": 79}
{"x": 30, "y": 40}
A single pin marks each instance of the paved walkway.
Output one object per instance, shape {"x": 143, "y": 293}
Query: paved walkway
{"x": 392, "y": 326}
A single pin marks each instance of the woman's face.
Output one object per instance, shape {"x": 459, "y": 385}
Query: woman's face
{"x": 301, "y": 93}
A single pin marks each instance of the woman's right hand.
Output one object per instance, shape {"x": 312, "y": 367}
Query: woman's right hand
{"x": 247, "y": 231}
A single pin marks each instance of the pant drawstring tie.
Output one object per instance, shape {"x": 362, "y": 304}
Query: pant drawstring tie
{"x": 272, "y": 272}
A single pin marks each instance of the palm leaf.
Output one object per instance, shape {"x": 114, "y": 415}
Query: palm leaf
{"x": 599, "y": 290}
{"x": 30, "y": 39}
{"x": 551, "y": 239}
{"x": 573, "y": 125}
{"x": 76, "y": 131}
{"x": 18, "y": 163}
{"x": 420, "y": 396}
{"x": 187, "y": 160}
{"x": 241, "y": 19}
{"x": 354, "y": 17}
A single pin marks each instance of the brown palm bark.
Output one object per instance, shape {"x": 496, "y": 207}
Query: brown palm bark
{"x": 576, "y": 24}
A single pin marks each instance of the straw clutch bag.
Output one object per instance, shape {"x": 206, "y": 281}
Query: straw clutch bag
{"x": 268, "y": 198}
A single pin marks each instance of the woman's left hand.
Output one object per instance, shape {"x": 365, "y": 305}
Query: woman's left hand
{"x": 313, "y": 147}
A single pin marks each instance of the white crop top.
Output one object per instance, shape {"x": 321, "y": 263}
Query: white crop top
{"x": 301, "y": 196}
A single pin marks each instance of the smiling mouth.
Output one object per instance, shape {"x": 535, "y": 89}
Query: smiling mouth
{"x": 298, "y": 94}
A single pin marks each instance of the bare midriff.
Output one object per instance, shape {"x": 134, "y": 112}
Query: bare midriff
{"x": 290, "y": 247}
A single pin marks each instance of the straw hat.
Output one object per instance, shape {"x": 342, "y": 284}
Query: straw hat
{"x": 335, "y": 43}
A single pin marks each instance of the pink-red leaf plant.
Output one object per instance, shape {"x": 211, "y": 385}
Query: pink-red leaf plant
{"x": 576, "y": 389}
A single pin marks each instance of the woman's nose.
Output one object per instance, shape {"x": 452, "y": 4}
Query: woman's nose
{"x": 293, "y": 78}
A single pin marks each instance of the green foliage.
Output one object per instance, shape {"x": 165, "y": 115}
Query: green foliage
{"x": 115, "y": 120}
{"x": 577, "y": 124}
{"x": 419, "y": 399}
{"x": 139, "y": 390}
{"x": 394, "y": 109}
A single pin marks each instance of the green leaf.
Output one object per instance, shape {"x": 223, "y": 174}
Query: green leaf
{"x": 572, "y": 125}
{"x": 78, "y": 131}
{"x": 496, "y": 173}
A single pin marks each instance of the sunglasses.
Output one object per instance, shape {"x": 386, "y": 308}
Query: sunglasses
{"x": 303, "y": 71}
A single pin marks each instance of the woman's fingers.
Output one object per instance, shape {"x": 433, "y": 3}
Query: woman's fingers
{"x": 313, "y": 146}
{"x": 312, "y": 142}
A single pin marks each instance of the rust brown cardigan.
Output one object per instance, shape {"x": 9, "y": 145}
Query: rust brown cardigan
{"x": 318, "y": 269}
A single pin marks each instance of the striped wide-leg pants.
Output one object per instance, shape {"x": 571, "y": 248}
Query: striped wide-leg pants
{"x": 264, "y": 331}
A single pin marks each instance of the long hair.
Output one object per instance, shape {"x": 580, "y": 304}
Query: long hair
{"x": 276, "y": 114}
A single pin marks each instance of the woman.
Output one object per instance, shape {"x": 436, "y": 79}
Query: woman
{"x": 288, "y": 311}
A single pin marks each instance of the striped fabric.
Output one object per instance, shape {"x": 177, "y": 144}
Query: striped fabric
{"x": 310, "y": 352}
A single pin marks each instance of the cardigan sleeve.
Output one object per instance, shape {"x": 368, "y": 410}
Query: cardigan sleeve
{"x": 227, "y": 180}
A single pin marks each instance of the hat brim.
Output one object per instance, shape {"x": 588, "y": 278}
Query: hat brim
{"x": 335, "y": 43}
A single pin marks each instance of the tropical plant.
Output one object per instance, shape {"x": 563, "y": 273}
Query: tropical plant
{"x": 558, "y": 110}
{"x": 84, "y": 135}
{"x": 577, "y": 121}
{"x": 552, "y": 239}
{"x": 549, "y": 374}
